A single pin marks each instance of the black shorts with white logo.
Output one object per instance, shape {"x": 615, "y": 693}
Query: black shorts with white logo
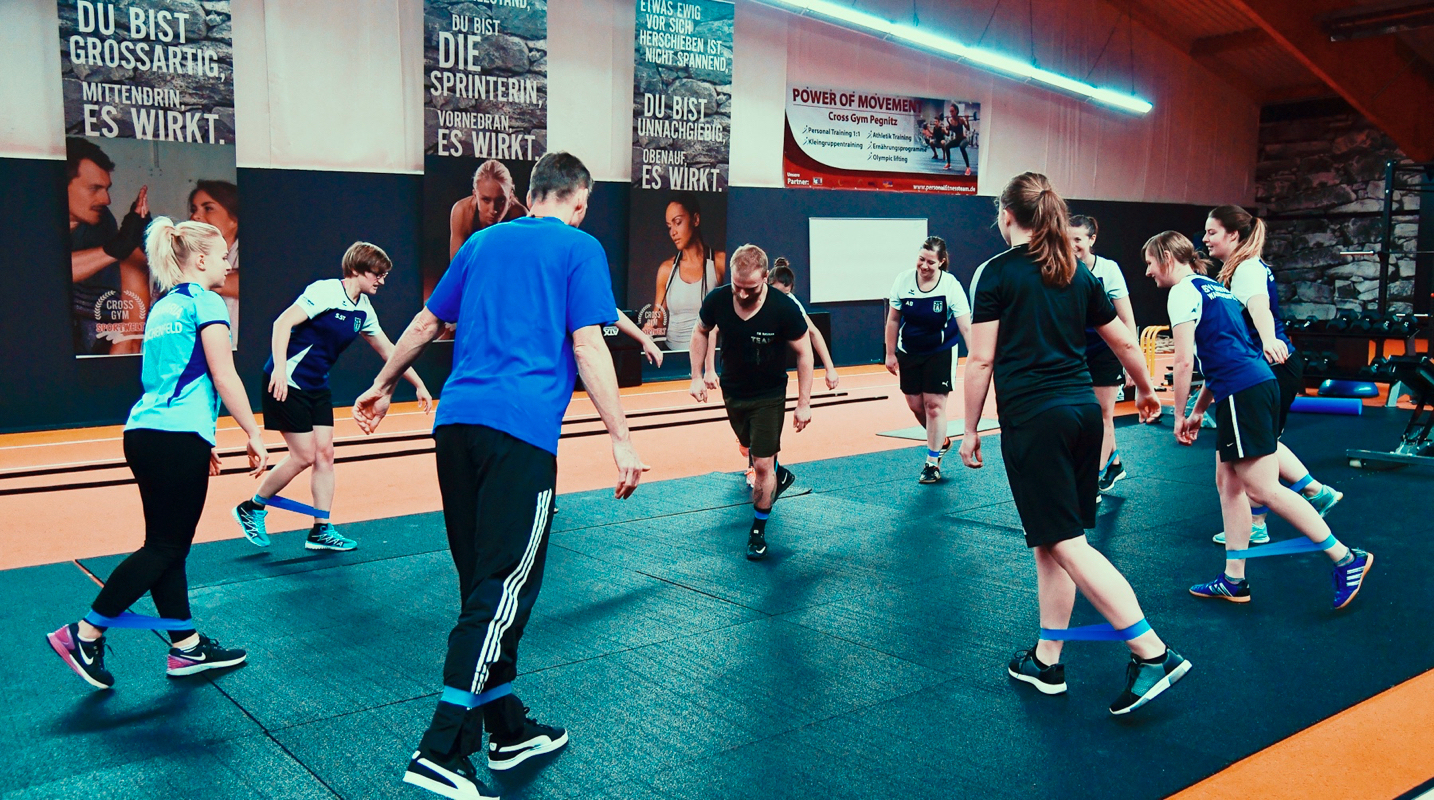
{"x": 1246, "y": 422}
{"x": 301, "y": 411}
{"x": 925, "y": 374}
{"x": 1105, "y": 368}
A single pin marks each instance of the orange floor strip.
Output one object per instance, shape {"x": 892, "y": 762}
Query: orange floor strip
{"x": 1378, "y": 749}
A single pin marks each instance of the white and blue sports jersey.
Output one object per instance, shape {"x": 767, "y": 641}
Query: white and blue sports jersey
{"x": 928, "y": 318}
{"x": 1254, "y": 277}
{"x": 1113, "y": 281}
{"x": 334, "y": 322}
{"x": 179, "y": 395}
{"x": 1228, "y": 357}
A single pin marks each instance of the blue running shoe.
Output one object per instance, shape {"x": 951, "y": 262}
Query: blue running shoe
{"x": 1348, "y": 578}
{"x": 325, "y": 536}
{"x": 1223, "y": 588}
{"x": 1145, "y": 682}
{"x": 1259, "y": 534}
{"x": 1325, "y": 499}
{"x": 251, "y": 521}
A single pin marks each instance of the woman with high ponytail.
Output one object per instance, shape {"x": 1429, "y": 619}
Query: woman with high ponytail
{"x": 168, "y": 444}
{"x": 1031, "y": 306}
{"x": 1208, "y": 320}
{"x": 1237, "y": 238}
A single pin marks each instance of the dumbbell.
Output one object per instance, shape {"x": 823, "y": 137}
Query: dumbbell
{"x": 1342, "y": 323}
{"x": 1406, "y": 326}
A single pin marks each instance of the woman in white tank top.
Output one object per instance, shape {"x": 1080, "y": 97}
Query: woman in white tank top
{"x": 686, "y": 278}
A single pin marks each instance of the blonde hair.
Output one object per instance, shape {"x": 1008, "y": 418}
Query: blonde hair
{"x": 496, "y": 170}
{"x": 1175, "y": 246}
{"x": 749, "y": 258}
{"x": 171, "y": 248}
{"x": 1037, "y": 208}
{"x": 1251, "y": 233}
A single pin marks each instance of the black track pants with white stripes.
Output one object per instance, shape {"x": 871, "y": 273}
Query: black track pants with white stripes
{"x": 497, "y": 503}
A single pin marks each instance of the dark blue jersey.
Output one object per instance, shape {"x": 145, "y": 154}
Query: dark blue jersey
{"x": 334, "y": 322}
{"x": 1228, "y": 356}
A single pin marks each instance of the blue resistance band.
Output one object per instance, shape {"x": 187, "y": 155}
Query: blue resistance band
{"x": 295, "y": 506}
{"x": 1258, "y": 510}
{"x": 128, "y": 620}
{"x": 1284, "y": 548}
{"x": 1095, "y": 633}
{"x": 458, "y": 697}
{"x": 1299, "y": 485}
{"x": 1114, "y": 454}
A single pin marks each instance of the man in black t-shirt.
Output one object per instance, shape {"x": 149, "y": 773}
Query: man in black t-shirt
{"x": 758, "y": 326}
{"x": 107, "y": 263}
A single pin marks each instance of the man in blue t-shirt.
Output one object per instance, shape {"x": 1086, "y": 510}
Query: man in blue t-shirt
{"x": 529, "y": 299}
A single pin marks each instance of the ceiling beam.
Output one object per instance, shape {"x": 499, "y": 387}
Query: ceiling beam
{"x": 1303, "y": 91}
{"x": 1376, "y": 76}
{"x": 1229, "y": 42}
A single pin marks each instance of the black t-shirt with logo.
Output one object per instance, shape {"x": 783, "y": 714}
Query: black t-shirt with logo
{"x": 1040, "y": 349}
{"x": 754, "y": 351}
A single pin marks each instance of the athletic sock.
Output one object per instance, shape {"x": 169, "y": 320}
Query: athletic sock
{"x": 260, "y": 501}
{"x": 1160, "y": 659}
{"x": 933, "y": 456}
{"x": 1348, "y": 558}
{"x": 1037, "y": 661}
{"x": 759, "y": 520}
{"x": 1236, "y": 581}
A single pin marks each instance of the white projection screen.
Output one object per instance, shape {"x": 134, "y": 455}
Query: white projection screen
{"x": 857, "y": 259}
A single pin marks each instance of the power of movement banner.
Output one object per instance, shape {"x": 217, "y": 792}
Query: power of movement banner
{"x": 485, "y": 118}
{"x": 149, "y": 123}
{"x": 681, "y": 141}
{"x": 854, "y": 139}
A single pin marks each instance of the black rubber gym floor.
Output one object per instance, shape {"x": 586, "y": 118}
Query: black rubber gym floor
{"x": 865, "y": 658}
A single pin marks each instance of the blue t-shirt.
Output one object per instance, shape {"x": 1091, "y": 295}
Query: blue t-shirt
{"x": 1229, "y": 359}
{"x": 517, "y": 291}
{"x": 179, "y": 395}
{"x": 334, "y": 322}
{"x": 928, "y": 317}
{"x": 1254, "y": 277}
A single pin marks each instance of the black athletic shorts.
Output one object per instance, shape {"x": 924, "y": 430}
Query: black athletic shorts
{"x": 758, "y": 423}
{"x": 1105, "y": 368}
{"x": 928, "y": 374}
{"x": 1245, "y": 422}
{"x": 1291, "y": 377}
{"x": 1052, "y": 463}
{"x": 301, "y": 411}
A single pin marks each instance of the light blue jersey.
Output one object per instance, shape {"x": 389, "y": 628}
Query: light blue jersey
{"x": 179, "y": 395}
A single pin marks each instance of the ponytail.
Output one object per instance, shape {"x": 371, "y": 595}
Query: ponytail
{"x": 1037, "y": 208}
{"x": 1251, "y": 233}
{"x": 1175, "y": 246}
{"x": 172, "y": 247}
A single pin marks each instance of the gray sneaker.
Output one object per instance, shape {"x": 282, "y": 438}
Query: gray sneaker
{"x": 1325, "y": 499}
{"x": 1145, "y": 682}
{"x": 1259, "y": 534}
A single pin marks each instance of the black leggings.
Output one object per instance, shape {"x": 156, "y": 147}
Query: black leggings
{"x": 961, "y": 145}
{"x": 172, "y": 470}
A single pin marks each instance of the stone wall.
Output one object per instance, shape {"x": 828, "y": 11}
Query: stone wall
{"x": 1320, "y": 188}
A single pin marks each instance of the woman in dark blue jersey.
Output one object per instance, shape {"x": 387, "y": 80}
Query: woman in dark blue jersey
{"x": 1206, "y": 319}
{"x": 1031, "y": 306}
{"x": 169, "y": 446}
{"x": 1238, "y": 239}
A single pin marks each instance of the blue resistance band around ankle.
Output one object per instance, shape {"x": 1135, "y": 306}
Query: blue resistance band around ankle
{"x": 458, "y": 697}
{"x": 1114, "y": 454}
{"x": 1095, "y": 633}
{"x": 1299, "y": 485}
{"x": 1284, "y": 548}
{"x": 295, "y": 506}
{"x": 128, "y": 620}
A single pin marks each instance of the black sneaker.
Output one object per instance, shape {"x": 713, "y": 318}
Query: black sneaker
{"x": 756, "y": 546}
{"x": 930, "y": 473}
{"x": 456, "y": 778}
{"x": 1051, "y": 680}
{"x": 785, "y": 479}
{"x": 87, "y": 659}
{"x": 1115, "y": 472}
{"x": 206, "y": 655}
{"x": 946, "y": 446}
{"x": 534, "y": 740}
{"x": 1145, "y": 682}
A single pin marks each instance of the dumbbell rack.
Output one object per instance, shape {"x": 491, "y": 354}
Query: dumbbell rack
{"x": 1343, "y": 354}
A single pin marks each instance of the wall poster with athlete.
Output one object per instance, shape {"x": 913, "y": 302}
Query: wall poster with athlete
{"x": 845, "y": 138}
{"x": 148, "y": 91}
{"x": 681, "y": 134}
{"x": 485, "y": 119}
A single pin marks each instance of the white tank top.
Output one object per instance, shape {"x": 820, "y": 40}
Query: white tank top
{"x": 684, "y": 301}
